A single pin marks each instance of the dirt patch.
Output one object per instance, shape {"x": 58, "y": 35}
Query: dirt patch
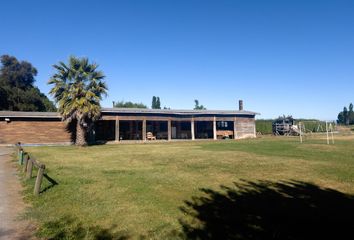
{"x": 11, "y": 201}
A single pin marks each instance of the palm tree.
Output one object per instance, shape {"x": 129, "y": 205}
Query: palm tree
{"x": 78, "y": 88}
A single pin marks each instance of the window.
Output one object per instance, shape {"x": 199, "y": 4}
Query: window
{"x": 222, "y": 124}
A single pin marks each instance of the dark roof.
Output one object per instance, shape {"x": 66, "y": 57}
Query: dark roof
{"x": 10, "y": 114}
{"x": 175, "y": 111}
{"x": 18, "y": 114}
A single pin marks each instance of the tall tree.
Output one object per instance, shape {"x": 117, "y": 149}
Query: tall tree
{"x": 350, "y": 114}
{"x": 345, "y": 116}
{"x": 17, "y": 92}
{"x": 78, "y": 88}
{"x": 197, "y": 106}
{"x": 4, "y": 103}
{"x": 158, "y": 103}
{"x": 153, "y": 104}
{"x": 340, "y": 118}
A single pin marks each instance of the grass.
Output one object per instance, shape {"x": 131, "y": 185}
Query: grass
{"x": 137, "y": 190}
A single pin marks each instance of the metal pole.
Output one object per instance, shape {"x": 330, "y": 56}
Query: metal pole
{"x": 20, "y": 157}
{"x": 332, "y": 133}
{"x": 327, "y": 132}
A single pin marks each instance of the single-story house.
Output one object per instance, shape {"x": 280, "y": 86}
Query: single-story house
{"x": 121, "y": 124}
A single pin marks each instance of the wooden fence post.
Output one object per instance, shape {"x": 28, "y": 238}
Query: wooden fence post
{"x": 37, "y": 186}
{"x": 28, "y": 164}
{"x": 29, "y": 168}
{"x": 25, "y": 163}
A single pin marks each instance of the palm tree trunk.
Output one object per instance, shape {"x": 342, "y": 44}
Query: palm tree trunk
{"x": 80, "y": 135}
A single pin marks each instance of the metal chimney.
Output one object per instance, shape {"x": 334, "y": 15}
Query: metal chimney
{"x": 240, "y": 105}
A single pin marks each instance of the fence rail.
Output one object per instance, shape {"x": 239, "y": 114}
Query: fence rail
{"x": 29, "y": 162}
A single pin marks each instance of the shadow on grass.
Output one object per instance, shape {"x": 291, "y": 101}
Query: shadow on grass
{"x": 68, "y": 227}
{"x": 269, "y": 210}
{"x": 52, "y": 183}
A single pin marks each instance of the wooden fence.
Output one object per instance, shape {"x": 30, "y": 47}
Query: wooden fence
{"x": 29, "y": 162}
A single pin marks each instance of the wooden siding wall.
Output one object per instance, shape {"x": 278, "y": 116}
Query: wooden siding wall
{"x": 245, "y": 127}
{"x": 34, "y": 132}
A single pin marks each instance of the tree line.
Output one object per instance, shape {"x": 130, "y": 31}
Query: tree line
{"x": 17, "y": 90}
{"x": 128, "y": 104}
{"x": 155, "y": 104}
{"x": 346, "y": 116}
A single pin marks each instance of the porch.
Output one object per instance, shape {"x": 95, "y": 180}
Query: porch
{"x": 165, "y": 129}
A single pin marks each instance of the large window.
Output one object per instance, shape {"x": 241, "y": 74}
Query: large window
{"x": 222, "y": 124}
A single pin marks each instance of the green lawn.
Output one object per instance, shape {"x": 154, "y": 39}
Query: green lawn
{"x": 140, "y": 190}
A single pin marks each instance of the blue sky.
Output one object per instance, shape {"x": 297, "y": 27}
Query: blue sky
{"x": 281, "y": 57}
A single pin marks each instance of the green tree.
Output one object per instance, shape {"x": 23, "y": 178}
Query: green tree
{"x": 78, "y": 88}
{"x": 345, "y": 116}
{"x": 158, "y": 103}
{"x": 350, "y": 114}
{"x": 340, "y": 118}
{"x": 153, "y": 104}
{"x": 197, "y": 106}
{"x": 4, "y": 103}
{"x": 17, "y": 92}
{"x": 122, "y": 104}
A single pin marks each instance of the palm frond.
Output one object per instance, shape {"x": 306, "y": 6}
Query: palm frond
{"x": 78, "y": 88}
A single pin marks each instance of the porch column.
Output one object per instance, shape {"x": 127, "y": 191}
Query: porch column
{"x": 144, "y": 130}
{"x": 178, "y": 129}
{"x": 254, "y": 126}
{"x": 169, "y": 132}
{"x": 192, "y": 129}
{"x": 131, "y": 131}
{"x": 235, "y": 130}
{"x": 214, "y": 128}
{"x": 117, "y": 129}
